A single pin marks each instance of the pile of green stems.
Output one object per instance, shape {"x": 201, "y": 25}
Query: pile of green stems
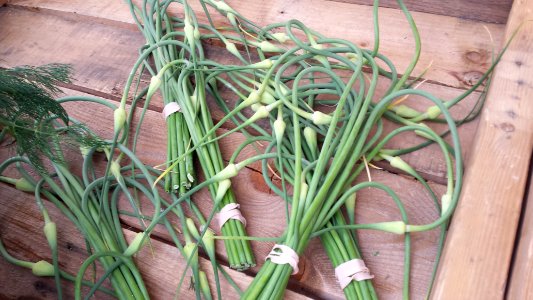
{"x": 319, "y": 159}
{"x": 341, "y": 246}
{"x": 182, "y": 175}
{"x": 86, "y": 205}
{"x": 301, "y": 76}
{"x": 344, "y": 143}
{"x": 328, "y": 175}
{"x": 91, "y": 204}
{"x": 327, "y": 165}
{"x": 195, "y": 118}
{"x": 143, "y": 184}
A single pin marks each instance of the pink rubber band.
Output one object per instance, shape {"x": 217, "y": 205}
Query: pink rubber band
{"x": 285, "y": 256}
{"x": 354, "y": 269}
{"x": 230, "y": 211}
{"x": 170, "y": 108}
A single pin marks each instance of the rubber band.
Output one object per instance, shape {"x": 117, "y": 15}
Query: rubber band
{"x": 170, "y": 108}
{"x": 285, "y": 255}
{"x": 230, "y": 211}
{"x": 349, "y": 271}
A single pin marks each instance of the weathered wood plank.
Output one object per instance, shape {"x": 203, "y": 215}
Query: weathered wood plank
{"x": 22, "y": 233}
{"x": 491, "y": 11}
{"x": 520, "y": 285}
{"x": 459, "y": 49}
{"x": 479, "y": 248}
{"x": 102, "y": 56}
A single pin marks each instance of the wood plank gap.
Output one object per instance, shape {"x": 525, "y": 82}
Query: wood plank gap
{"x": 520, "y": 280}
{"x": 493, "y": 15}
{"x": 104, "y": 95}
{"x": 90, "y": 91}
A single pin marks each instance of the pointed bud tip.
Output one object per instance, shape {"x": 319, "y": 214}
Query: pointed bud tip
{"x": 119, "y": 118}
{"x": 320, "y": 118}
{"x": 136, "y": 244}
{"x": 43, "y": 269}
{"x": 22, "y": 184}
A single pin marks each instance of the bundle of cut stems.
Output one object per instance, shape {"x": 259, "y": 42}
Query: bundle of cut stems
{"x": 173, "y": 51}
{"x": 182, "y": 174}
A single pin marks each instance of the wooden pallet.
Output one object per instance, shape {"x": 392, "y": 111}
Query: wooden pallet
{"x": 100, "y": 40}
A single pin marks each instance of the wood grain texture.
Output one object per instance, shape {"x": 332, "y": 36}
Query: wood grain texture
{"x": 520, "y": 285}
{"x": 102, "y": 55}
{"x": 491, "y": 11}
{"x": 480, "y": 244}
{"x": 459, "y": 49}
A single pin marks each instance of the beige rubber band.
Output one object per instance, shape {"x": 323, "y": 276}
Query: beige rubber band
{"x": 285, "y": 255}
{"x": 230, "y": 211}
{"x": 354, "y": 269}
{"x": 170, "y": 108}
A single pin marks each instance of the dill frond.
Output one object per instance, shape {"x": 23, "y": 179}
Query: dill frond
{"x": 30, "y": 114}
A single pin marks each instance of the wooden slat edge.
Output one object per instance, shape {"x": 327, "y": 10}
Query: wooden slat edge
{"x": 520, "y": 285}
{"x": 479, "y": 247}
{"x": 490, "y": 11}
